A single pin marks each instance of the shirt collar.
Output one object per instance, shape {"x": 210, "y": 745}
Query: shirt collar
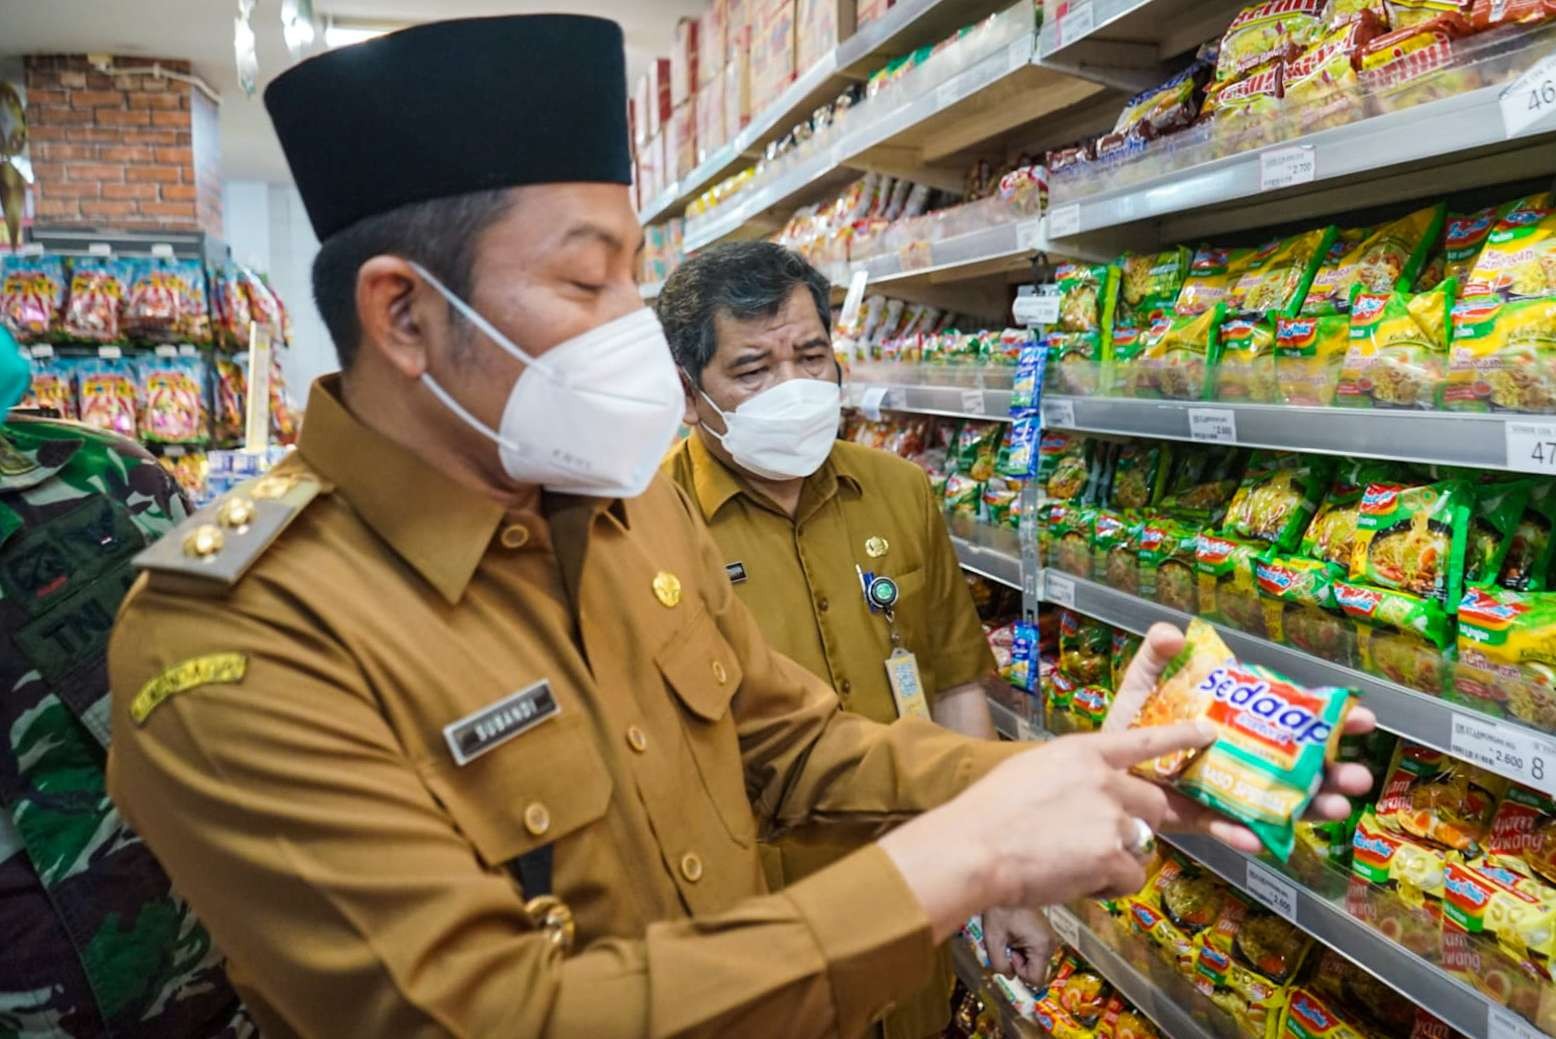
{"x": 437, "y": 525}
{"x": 714, "y": 483}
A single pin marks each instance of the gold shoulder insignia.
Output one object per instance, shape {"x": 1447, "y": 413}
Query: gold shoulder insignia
{"x": 221, "y": 541}
{"x": 212, "y": 669}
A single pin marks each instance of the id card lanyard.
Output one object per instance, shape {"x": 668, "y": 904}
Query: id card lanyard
{"x": 907, "y": 687}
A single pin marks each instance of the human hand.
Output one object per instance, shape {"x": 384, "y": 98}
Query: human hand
{"x": 1341, "y": 781}
{"x": 1020, "y": 942}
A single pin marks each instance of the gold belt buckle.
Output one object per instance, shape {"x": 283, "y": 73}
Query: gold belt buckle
{"x": 550, "y": 914}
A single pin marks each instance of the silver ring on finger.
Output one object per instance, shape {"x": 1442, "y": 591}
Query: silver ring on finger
{"x": 1144, "y": 840}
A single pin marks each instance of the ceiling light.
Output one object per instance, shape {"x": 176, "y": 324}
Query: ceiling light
{"x": 344, "y": 34}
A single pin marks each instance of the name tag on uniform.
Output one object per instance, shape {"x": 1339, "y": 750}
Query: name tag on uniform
{"x": 736, "y": 572}
{"x": 490, "y": 727}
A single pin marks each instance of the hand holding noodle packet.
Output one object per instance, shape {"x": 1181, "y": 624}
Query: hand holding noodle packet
{"x": 1275, "y": 738}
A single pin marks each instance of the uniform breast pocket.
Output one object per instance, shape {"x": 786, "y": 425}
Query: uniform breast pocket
{"x": 912, "y": 613}
{"x": 542, "y": 786}
{"x": 700, "y": 667}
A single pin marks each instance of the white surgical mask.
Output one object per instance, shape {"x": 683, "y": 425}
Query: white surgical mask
{"x": 594, "y": 416}
{"x": 784, "y": 433}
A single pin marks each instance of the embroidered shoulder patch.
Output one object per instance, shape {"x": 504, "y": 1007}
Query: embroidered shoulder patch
{"x": 212, "y": 669}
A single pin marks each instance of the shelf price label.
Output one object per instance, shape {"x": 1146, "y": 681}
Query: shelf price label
{"x": 1505, "y": 750}
{"x": 1213, "y": 425}
{"x": 1066, "y": 925}
{"x": 870, "y": 402}
{"x": 1036, "y": 308}
{"x": 972, "y": 402}
{"x": 1274, "y": 890}
{"x": 1064, "y": 221}
{"x": 1059, "y": 589}
{"x": 1077, "y": 23}
{"x": 1285, "y": 167}
{"x": 1531, "y": 447}
{"x": 1029, "y": 236}
{"x": 1502, "y": 1023}
{"x": 1059, "y": 413}
{"x": 1530, "y": 98}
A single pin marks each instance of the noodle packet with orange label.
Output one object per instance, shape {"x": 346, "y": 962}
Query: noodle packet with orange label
{"x": 1274, "y": 736}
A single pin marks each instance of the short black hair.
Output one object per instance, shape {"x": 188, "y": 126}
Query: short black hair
{"x": 440, "y": 234}
{"x": 743, "y": 279}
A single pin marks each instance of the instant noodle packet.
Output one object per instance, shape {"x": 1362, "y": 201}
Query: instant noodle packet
{"x": 1125, "y": 645}
{"x": 1245, "y": 369}
{"x": 1266, "y": 32}
{"x": 1518, "y": 260}
{"x": 1275, "y": 737}
{"x": 1202, "y": 482}
{"x": 107, "y": 392}
{"x": 1114, "y": 550}
{"x": 1139, "y": 473}
{"x": 1212, "y": 273}
{"x": 1279, "y": 494}
{"x": 1507, "y": 653}
{"x": 1064, "y": 464}
{"x": 1227, "y": 589}
{"x": 1179, "y": 902}
{"x": 1388, "y": 259}
{"x": 1246, "y": 961}
{"x": 1398, "y": 356}
{"x": 1150, "y": 283}
{"x": 1167, "y": 563}
{"x": 32, "y": 295}
{"x": 1178, "y": 355}
{"x": 1464, "y": 235}
{"x": 1397, "y": 611}
{"x": 1525, "y": 567}
{"x": 1276, "y": 277}
{"x": 1493, "y": 525}
{"x": 1322, "y": 88}
{"x": 93, "y": 310}
{"x": 1503, "y": 355}
{"x": 1331, "y": 536}
{"x": 1310, "y": 353}
{"x": 1412, "y": 538}
{"x": 1434, "y": 796}
{"x": 1246, "y": 113}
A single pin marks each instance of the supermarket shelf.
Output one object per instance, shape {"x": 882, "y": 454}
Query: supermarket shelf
{"x": 944, "y": 108}
{"x": 1165, "y": 996}
{"x": 950, "y": 401}
{"x": 909, "y": 24}
{"x": 1329, "y": 922}
{"x": 973, "y": 976}
{"x": 993, "y": 552}
{"x": 1092, "y": 34}
{"x": 1429, "y": 149}
{"x": 1011, "y": 725}
{"x": 1448, "y": 438}
{"x": 1413, "y": 715}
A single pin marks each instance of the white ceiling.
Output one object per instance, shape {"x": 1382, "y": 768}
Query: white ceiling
{"x": 201, "y": 31}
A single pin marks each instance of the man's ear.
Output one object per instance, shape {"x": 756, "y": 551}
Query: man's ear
{"x": 690, "y": 417}
{"x": 396, "y": 310}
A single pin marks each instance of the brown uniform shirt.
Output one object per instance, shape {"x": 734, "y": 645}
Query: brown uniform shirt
{"x": 309, "y": 807}
{"x": 799, "y": 577}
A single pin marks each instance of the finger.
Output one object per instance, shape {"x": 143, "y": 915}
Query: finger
{"x": 1034, "y": 971}
{"x": 1360, "y": 721}
{"x": 1139, "y": 798}
{"x": 1235, "y": 835}
{"x": 995, "y": 941}
{"x": 1350, "y": 779}
{"x": 1132, "y": 746}
{"x": 1329, "y": 806}
{"x": 1123, "y": 876}
{"x": 1162, "y": 643}
{"x": 1186, "y": 816}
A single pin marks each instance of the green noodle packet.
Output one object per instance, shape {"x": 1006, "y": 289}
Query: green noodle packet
{"x": 1411, "y": 538}
{"x": 1396, "y": 611}
{"x": 1493, "y": 526}
{"x": 1331, "y": 536}
{"x": 1139, "y": 472}
{"x": 1278, "y": 497}
{"x": 1525, "y": 567}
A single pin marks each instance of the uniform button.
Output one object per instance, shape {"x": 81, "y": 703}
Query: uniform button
{"x": 691, "y": 867}
{"x": 514, "y": 536}
{"x": 822, "y": 604}
{"x": 537, "y": 820}
{"x": 845, "y": 687}
{"x": 636, "y": 740}
{"x": 719, "y": 674}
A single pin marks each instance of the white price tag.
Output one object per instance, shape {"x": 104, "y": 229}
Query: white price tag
{"x": 188, "y": 350}
{"x": 1059, "y": 414}
{"x": 1530, "y": 98}
{"x": 1531, "y": 447}
{"x": 1077, "y": 22}
{"x": 31, "y": 249}
{"x": 972, "y": 402}
{"x": 1274, "y": 890}
{"x": 1505, "y": 750}
{"x": 1029, "y": 235}
{"x": 1502, "y": 1023}
{"x": 1059, "y": 589}
{"x": 854, "y": 299}
{"x": 162, "y": 250}
{"x": 174, "y": 451}
{"x": 1064, "y": 221}
{"x": 870, "y": 402}
{"x": 100, "y": 249}
{"x": 1029, "y": 586}
{"x": 166, "y": 350}
{"x": 1283, "y": 167}
{"x": 1213, "y": 425}
{"x": 1036, "y": 309}
{"x": 42, "y": 350}
{"x": 1066, "y": 925}
{"x": 109, "y": 353}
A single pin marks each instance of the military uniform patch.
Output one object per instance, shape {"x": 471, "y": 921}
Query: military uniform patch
{"x": 214, "y": 668}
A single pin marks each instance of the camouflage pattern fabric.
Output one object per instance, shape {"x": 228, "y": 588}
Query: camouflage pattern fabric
{"x": 94, "y": 942}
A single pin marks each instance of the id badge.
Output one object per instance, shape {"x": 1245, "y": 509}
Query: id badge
{"x": 907, "y": 688}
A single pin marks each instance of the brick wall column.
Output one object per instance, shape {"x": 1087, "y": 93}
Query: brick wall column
{"x": 129, "y": 152}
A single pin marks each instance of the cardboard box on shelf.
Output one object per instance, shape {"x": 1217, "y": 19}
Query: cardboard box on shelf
{"x": 737, "y": 19}
{"x": 640, "y": 96}
{"x": 648, "y": 168}
{"x": 683, "y": 61}
{"x": 658, "y": 94}
{"x": 713, "y": 42}
{"x": 737, "y": 83}
{"x": 870, "y": 10}
{"x": 684, "y": 123}
{"x": 712, "y": 125}
{"x": 820, "y": 25}
{"x": 772, "y": 52}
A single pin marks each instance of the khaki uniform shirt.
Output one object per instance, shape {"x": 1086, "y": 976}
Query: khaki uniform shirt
{"x": 296, "y": 782}
{"x": 797, "y": 577}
